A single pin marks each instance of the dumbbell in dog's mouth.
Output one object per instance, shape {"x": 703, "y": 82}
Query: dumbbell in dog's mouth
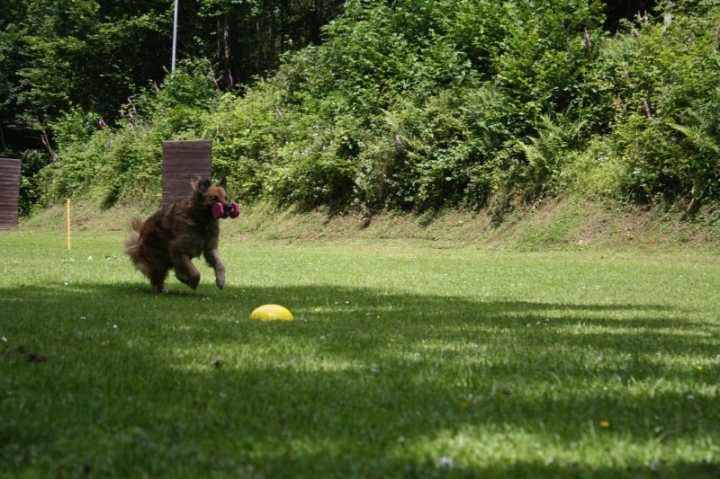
{"x": 222, "y": 210}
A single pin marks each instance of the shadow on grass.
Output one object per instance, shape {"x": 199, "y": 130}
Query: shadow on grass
{"x": 362, "y": 384}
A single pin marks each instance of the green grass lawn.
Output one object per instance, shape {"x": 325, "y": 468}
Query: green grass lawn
{"x": 402, "y": 361}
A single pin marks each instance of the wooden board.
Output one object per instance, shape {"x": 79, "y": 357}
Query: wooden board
{"x": 183, "y": 161}
{"x": 9, "y": 193}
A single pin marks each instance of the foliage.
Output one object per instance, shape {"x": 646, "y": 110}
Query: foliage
{"x": 123, "y": 160}
{"x": 410, "y": 120}
{"x": 548, "y": 157}
{"x": 418, "y": 105}
{"x": 71, "y": 47}
{"x": 59, "y": 55}
{"x": 664, "y": 78}
{"x": 93, "y": 54}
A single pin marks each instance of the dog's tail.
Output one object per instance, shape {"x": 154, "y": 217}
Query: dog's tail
{"x": 133, "y": 240}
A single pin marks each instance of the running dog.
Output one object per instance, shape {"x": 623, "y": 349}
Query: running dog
{"x": 179, "y": 232}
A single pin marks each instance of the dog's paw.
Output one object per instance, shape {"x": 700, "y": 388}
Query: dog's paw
{"x": 193, "y": 281}
{"x": 220, "y": 275}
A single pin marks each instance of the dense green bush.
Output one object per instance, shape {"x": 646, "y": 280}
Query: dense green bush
{"x": 112, "y": 162}
{"x": 424, "y": 104}
{"x": 664, "y": 77}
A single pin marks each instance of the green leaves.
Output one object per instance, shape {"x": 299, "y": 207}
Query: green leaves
{"x": 419, "y": 105}
{"x": 664, "y": 78}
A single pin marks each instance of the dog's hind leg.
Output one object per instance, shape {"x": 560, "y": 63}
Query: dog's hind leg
{"x": 213, "y": 259}
{"x": 155, "y": 271}
{"x": 157, "y": 280}
{"x": 185, "y": 271}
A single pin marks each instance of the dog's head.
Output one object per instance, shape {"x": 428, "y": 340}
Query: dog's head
{"x": 214, "y": 198}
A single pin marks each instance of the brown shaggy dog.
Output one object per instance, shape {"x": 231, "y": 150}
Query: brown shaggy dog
{"x": 183, "y": 230}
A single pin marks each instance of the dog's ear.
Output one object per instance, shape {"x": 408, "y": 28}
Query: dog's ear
{"x": 201, "y": 186}
{"x": 223, "y": 183}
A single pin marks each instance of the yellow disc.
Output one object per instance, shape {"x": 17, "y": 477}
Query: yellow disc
{"x": 270, "y": 312}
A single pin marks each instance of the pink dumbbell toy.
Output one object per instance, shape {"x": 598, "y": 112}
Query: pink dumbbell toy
{"x": 220, "y": 210}
{"x": 234, "y": 211}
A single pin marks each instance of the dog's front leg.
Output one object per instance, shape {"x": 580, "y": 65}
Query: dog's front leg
{"x": 185, "y": 271}
{"x": 213, "y": 259}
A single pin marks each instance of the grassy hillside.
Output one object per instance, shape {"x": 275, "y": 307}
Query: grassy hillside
{"x": 569, "y": 224}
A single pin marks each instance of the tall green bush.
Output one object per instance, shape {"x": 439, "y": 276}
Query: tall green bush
{"x": 419, "y": 105}
{"x": 124, "y": 160}
{"x": 663, "y": 81}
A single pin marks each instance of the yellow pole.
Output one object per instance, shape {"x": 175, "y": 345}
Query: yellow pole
{"x": 68, "y": 224}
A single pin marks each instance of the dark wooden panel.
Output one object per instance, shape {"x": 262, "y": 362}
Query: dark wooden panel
{"x": 183, "y": 161}
{"x": 9, "y": 193}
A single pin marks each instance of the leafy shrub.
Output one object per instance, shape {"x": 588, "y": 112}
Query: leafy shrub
{"x": 124, "y": 160}
{"x": 664, "y": 79}
{"x": 417, "y": 105}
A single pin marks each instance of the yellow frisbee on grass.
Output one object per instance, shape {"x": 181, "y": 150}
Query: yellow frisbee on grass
{"x": 271, "y": 312}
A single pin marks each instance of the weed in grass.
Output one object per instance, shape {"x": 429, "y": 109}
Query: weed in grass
{"x": 402, "y": 362}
